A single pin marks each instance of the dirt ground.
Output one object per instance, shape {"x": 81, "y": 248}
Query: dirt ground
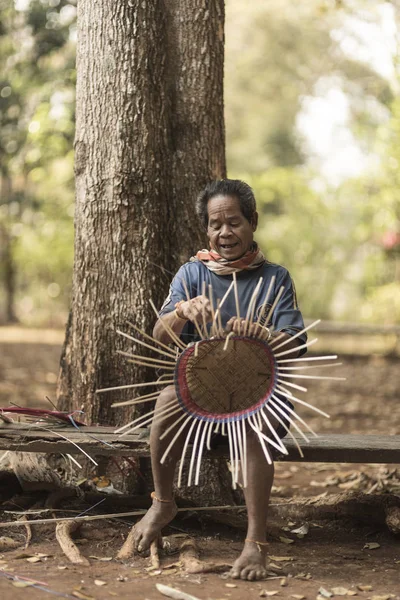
{"x": 333, "y": 559}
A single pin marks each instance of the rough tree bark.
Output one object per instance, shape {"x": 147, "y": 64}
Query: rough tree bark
{"x": 149, "y": 135}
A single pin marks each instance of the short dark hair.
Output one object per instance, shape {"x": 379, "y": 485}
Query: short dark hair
{"x": 226, "y": 187}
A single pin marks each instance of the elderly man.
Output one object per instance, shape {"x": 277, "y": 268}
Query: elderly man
{"x": 227, "y": 209}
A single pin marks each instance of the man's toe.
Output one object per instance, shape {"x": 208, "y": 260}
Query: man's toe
{"x": 234, "y": 573}
{"x": 245, "y": 573}
{"x": 260, "y": 574}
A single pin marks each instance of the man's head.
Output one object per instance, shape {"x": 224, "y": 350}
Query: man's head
{"x": 227, "y": 208}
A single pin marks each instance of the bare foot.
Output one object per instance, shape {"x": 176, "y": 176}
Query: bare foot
{"x": 149, "y": 528}
{"x": 251, "y": 563}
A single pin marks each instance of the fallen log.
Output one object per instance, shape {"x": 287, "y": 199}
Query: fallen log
{"x": 381, "y": 510}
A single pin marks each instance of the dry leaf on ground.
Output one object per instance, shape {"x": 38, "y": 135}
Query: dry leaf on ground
{"x": 324, "y": 593}
{"x": 371, "y": 546}
{"x": 364, "y": 588}
{"x": 285, "y": 540}
{"x": 339, "y": 591}
{"x": 303, "y": 530}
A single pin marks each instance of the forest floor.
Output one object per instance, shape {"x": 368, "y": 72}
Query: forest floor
{"x": 334, "y": 558}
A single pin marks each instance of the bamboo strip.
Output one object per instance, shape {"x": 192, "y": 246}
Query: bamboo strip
{"x": 134, "y": 385}
{"x": 146, "y": 398}
{"x": 154, "y": 360}
{"x": 228, "y": 427}
{"x": 303, "y": 402}
{"x": 184, "y": 453}
{"x": 147, "y": 364}
{"x": 252, "y": 304}
{"x": 287, "y": 360}
{"x": 200, "y": 453}
{"x": 287, "y": 417}
{"x": 295, "y": 415}
{"x": 170, "y": 445}
{"x": 235, "y": 288}
{"x": 203, "y": 310}
{"x": 194, "y": 448}
{"x": 292, "y": 385}
{"x": 224, "y": 297}
{"x": 331, "y": 365}
{"x": 169, "y": 354}
{"x": 297, "y": 348}
{"x": 298, "y": 376}
{"x": 293, "y": 337}
{"x": 274, "y": 433}
{"x": 244, "y": 463}
{"x": 169, "y": 429}
{"x": 149, "y": 337}
{"x": 266, "y": 298}
{"x": 178, "y": 342}
{"x": 151, "y": 412}
{"x": 277, "y": 417}
{"x": 278, "y": 297}
{"x": 188, "y": 299}
{"x": 266, "y": 437}
{"x": 260, "y": 437}
{"x": 214, "y": 326}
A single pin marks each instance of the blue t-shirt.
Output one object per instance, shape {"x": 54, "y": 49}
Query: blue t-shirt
{"x": 285, "y": 317}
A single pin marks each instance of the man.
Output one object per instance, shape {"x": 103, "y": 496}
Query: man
{"x": 227, "y": 209}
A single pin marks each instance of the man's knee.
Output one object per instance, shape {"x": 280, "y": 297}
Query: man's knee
{"x": 167, "y": 395}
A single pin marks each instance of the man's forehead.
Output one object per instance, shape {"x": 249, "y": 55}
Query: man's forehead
{"x": 229, "y": 205}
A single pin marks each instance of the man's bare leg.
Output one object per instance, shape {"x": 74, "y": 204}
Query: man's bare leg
{"x": 160, "y": 513}
{"x": 251, "y": 564}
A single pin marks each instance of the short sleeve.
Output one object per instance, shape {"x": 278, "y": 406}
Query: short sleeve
{"x": 287, "y": 316}
{"x": 176, "y": 292}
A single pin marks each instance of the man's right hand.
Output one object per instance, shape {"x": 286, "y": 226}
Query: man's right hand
{"x": 194, "y": 309}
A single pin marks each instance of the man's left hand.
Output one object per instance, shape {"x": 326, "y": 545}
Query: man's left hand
{"x": 243, "y": 327}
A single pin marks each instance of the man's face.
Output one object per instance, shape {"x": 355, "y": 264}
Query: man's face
{"x": 228, "y": 230}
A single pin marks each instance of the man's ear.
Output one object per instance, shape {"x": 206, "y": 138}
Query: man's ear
{"x": 254, "y": 221}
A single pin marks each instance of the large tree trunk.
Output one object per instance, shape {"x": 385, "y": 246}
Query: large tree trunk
{"x": 149, "y": 135}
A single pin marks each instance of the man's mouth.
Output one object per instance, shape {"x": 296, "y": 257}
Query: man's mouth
{"x": 228, "y": 246}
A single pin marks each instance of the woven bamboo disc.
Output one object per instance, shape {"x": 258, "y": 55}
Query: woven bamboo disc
{"x": 219, "y": 383}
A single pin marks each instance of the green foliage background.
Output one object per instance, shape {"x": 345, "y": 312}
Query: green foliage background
{"x": 341, "y": 240}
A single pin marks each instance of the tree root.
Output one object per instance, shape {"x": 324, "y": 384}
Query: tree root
{"x": 190, "y": 558}
{"x": 28, "y": 531}
{"x": 127, "y": 549}
{"x": 71, "y": 551}
{"x": 154, "y": 556}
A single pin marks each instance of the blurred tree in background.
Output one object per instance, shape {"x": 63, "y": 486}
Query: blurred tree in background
{"x": 37, "y": 80}
{"x": 312, "y": 110}
{"x": 330, "y": 217}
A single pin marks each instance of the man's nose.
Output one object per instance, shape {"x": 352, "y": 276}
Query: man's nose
{"x": 225, "y": 230}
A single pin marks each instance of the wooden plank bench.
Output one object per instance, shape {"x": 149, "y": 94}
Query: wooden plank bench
{"x": 335, "y": 448}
